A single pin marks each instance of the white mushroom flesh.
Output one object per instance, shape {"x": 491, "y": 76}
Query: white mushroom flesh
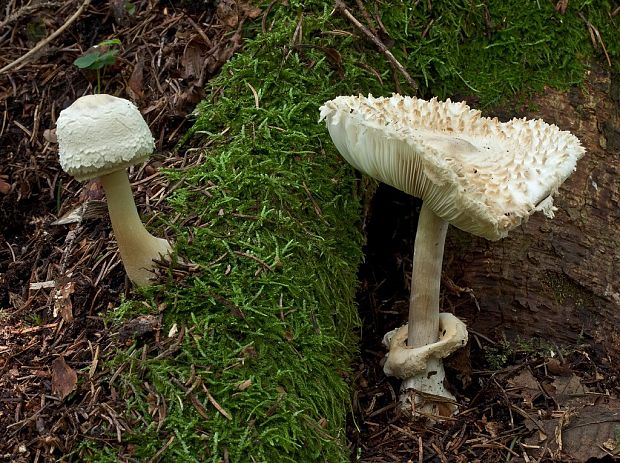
{"x": 477, "y": 173}
{"x": 423, "y": 388}
{"x": 99, "y": 134}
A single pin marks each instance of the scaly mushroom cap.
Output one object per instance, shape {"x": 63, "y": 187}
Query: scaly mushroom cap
{"x": 480, "y": 175}
{"x": 99, "y": 134}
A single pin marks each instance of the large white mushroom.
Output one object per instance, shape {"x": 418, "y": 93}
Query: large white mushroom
{"x": 100, "y": 136}
{"x": 480, "y": 175}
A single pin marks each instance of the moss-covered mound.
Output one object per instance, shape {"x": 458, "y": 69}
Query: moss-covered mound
{"x": 271, "y": 216}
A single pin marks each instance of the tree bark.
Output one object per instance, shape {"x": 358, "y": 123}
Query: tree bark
{"x": 558, "y": 279}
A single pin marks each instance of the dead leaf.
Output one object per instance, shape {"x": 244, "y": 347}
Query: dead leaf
{"x": 184, "y": 102}
{"x": 119, "y": 11}
{"x": 5, "y": 187}
{"x": 93, "y": 190}
{"x": 493, "y": 428}
{"x": 138, "y": 327}
{"x": 244, "y": 385}
{"x": 50, "y": 135}
{"x": 555, "y": 367}
{"x": 192, "y": 60}
{"x": 87, "y": 210}
{"x": 64, "y": 378}
{"x": 135, "y": 84}
{"x": 227, "y": 13}
{"x": 460, "y": 362}
{"x": 579, "y": 434}
{"x": 223, "y": 53}
{"x": 566, "y": 388}
{"x": 62, "y": 301}
{"x": 526, "y": 386}
{"x": 250, "y": 11}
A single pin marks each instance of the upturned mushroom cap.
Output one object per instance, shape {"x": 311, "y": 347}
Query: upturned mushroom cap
{"x": 99, "y": 134}
{"x": 404, "y": 362}
{"x": 480, "y": 175}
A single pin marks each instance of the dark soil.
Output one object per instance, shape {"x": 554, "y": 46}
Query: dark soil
{"x": 57, "y": 280}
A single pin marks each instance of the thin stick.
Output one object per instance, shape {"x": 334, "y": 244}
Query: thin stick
{"x": 595, "y": 35}
{"x": 340, "y": 6}
{"x": 26, "y": 10}
{"x": 18, "y": 62}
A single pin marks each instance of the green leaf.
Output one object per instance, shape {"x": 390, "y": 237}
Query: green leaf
{"x": 130, "y": 8}
{"x": 106, "y": 59}
{"x": 109, "y": 43}
{"x": 86, "y": 61}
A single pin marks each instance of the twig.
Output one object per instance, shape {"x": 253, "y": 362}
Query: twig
{"x": 202, "y": 34}
{"x": 595, "y": 36}
{"x": 217, "y": 406}
{"x": 200, "y": 408}
{"x": 364, "y": 11}
{"x": 157, "y": 457}
{"x": 32, "y": 329}
{"x": 27, "y": 10}
{"x": 340, "y": 6}
{"x": 18, "y": 62}
{"x": 250, "y": 256}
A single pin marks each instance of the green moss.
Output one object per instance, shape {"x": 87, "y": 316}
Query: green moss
{"x": 274, "y": 223}
{"x": 563, "y": 289}
{"x": 507, "y": 353}
{"x": 497, "y": 49}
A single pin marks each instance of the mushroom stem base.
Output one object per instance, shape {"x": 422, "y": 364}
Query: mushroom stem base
{"x": 137, "y": 247}
{"x": 423, "y": 392}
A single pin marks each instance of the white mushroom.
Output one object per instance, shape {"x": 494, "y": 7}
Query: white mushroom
{"x": 100, "y": 136}
{"x": 480, "y": 175}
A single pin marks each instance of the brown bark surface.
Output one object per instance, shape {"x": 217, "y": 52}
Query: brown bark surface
{"x": 556, "y": 279}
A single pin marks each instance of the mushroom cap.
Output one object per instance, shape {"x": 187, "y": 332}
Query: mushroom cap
{"x": 405, "y": 362}
{"x": 99, "y": 134}
{"x": 480, "y": 175}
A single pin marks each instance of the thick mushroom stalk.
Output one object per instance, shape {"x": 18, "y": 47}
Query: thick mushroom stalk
{"x": 417, "y": 349}
{"x": 138, "y": 248}
{"x": 421, "y": 368}
{"x": 424, "y": 387}
{"x": 426, "y": 279}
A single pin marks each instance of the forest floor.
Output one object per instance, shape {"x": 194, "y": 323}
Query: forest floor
{"x": 522, "y": 401}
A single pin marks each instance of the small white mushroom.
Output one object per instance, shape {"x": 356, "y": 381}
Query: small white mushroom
{"x": 471, "y": 171}
{"x": 100, "y": 136}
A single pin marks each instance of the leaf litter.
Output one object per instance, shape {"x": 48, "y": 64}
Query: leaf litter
{"x": 59, "y": 270}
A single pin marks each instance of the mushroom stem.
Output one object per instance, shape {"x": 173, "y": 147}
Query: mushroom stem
{"x": 426, "y": 279}
{"x": 138, "y": 248}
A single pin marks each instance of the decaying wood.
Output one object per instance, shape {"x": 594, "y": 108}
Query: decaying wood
{"x": 556, "y": 279}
